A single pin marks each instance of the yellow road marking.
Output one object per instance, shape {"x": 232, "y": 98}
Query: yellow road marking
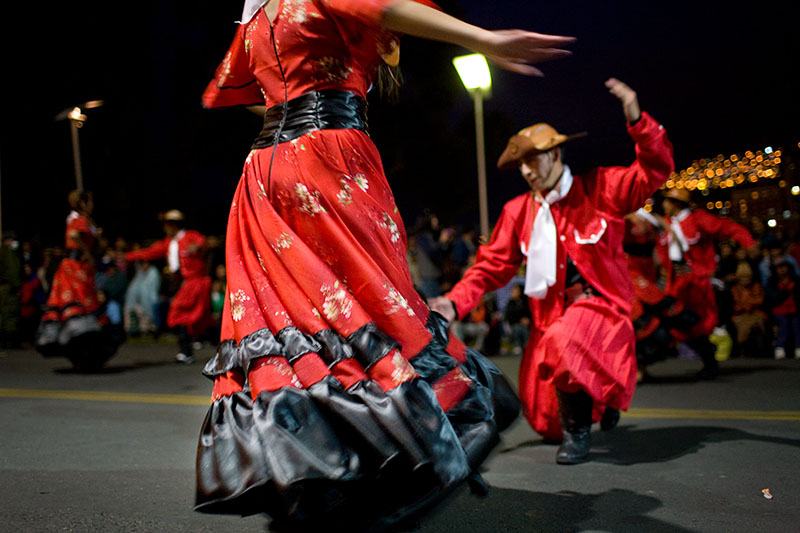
{"x": 185, "y": 399}
{"x": 712, "y": 414}
{"x": 98, "y": 396}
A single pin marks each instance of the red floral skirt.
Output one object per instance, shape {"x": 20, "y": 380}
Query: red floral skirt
{"x": 338, "y": 397}
{"x": 590, "y": 347}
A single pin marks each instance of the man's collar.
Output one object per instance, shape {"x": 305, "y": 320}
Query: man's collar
{"x": 561, "y": 189}
{"x": 680, "y": 217}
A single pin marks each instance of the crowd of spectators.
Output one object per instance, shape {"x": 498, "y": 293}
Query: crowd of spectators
{"x": 134, "y": 296}
{"x": 758, "y": 294}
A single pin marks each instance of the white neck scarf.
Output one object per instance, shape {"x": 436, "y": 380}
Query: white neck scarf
{"x": 174, "y": 256}
{"x": 677, "y": 240}
{"x": 250, "y": 9}
{"x": 540, "y": 273}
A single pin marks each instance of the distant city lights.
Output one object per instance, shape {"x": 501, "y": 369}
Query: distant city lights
{"x": 722, "y": 173}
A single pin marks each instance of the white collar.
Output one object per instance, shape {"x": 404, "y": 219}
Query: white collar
{"x": 250, "y": 9}
{"x": 680, "y": 217}
{"x": 72, "y": 216}
{"x": 561, "y": 189}
{"x": 178, "y": 236}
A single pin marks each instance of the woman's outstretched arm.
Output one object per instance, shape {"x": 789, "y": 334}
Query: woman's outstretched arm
{"x": 513, "y": 50}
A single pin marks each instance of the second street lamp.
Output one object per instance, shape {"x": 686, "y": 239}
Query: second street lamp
{"x": 474, "y": 73}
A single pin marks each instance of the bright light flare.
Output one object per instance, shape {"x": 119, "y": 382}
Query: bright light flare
{"x": 473, "y": 71}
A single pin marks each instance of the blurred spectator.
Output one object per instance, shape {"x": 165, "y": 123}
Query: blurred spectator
{"x": 32, "y": 298}
{"x": 141, "y": 299}
{"x": 518, "y": 319}
{"x": 783, "y": 297}
{"x": 747, "y": 317}
{"x": 218, "y": 288}
{"x": 727, "y": 264}
{"x": 464, "y": 246}
{"x": 28, "y": 254}
{"x": 773, "y": 254}
{"x": 10, "y": 283}
{"x": 425, "y": 252}
{"x": 120, "y": 247}
{"x": 474, "y": 327}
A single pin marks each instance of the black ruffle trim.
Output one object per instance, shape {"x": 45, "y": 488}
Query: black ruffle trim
{"x": 329, "y": 457}
{"x": 81, "y": 339}
{"x": 367, "y": 345}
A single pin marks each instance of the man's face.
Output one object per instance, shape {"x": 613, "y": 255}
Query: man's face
{"x": 670, "y": 208}
{"x": 538, "y": 170}
{"x": 170, "y": 228}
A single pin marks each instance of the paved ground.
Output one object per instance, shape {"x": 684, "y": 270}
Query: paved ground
{"x": 114, "y": 451}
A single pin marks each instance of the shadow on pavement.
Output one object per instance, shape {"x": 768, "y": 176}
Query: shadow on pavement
{"x": 628, "y": 445}
{"x": 517, "y": 510}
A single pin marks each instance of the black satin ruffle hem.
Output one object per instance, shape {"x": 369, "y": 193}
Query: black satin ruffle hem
{"x": 358, "y": 457}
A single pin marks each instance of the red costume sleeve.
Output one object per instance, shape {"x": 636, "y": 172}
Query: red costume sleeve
{"x": 496, "y": 263}
{"x": 367, "y": 11}
{"x": 723, "y": 229}
{"x": 623, "y": 190}
{"x": 156, "y": 251}
{"x": 233, "y": 83}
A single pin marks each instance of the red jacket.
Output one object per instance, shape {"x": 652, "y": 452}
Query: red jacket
{"x": 701, "y": 229}
{"x": 193, "y": 265}
{"x": 589, "y": 221}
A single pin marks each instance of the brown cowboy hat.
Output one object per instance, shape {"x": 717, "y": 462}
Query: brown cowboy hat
{"x": 540, "y": 137}
{"x": 682, "y": 195}
{"x": 173, "y": 215}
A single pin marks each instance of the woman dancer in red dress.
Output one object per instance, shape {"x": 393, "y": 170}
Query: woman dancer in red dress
{"x": 71, "y": 325}
{"x": 339, "y": 399}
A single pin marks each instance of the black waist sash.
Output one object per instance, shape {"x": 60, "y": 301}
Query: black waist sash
{"x": 318, "y": 110}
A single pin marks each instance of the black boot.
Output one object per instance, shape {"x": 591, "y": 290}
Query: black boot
{"x": 610, "y": 419}
{"x": 575, "y": 414}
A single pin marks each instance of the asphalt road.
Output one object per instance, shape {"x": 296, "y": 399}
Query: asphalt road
{"x": 114, "y": 451}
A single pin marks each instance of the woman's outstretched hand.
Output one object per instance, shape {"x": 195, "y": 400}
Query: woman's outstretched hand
{"x": 516, "y": 50}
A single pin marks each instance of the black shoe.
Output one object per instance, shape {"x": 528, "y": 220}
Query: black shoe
{"x": 610, "y": 419}
{"x": 574, "y": 448}
{"x": 477, "y": 485}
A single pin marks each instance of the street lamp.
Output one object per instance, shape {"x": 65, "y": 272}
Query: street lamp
{"x": 474, "y": 73}
{"x": 76, "y": 120}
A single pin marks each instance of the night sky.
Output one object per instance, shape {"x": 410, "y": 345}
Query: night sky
{"x": 722, "y": 79}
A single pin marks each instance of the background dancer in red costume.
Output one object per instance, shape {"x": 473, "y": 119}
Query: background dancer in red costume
{"x": 72, "y": 325}
{"x": 190, "y": 307}
{"x": 687, "y": 252}
{"x": 340, "y": 401}
{"x": 580, "y": 358}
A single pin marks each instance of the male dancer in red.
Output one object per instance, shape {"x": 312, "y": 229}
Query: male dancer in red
{"x": 687, "y": 252}
{"x": 569, "y": 231}
{"x": 190, "y": 308}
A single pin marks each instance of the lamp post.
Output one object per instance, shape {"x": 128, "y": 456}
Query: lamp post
{"x": 474, "y": 73}
{"x": 76, "y": 120}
